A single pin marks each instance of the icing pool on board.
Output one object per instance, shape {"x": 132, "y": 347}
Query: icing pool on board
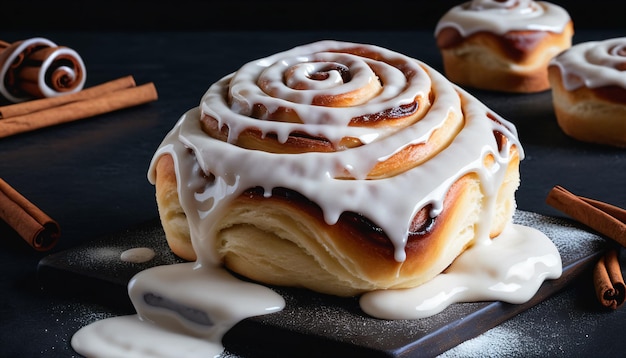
{"x": 185, "y": 309}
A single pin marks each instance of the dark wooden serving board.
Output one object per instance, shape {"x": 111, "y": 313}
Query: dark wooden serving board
{"x": 313, "y": 324}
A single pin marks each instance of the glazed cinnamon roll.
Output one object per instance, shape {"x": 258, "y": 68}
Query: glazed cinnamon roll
{"x": 338, "y": 167}
{"x": 502, "y": 45}
{"x": 589, "y": 91}
{"x": 38, "y": 68}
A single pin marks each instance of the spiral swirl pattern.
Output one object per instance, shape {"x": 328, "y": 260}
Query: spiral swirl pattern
{"x": 521, "y": 7}
{"x": 327, "y": 97}
{"x": 500, "y": 17}
{"x": 37, "y": 68}
{"x": 594, "y": 64}
{"x": 413, "y": 134}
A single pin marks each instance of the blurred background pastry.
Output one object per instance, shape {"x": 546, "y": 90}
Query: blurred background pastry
{"x": 589, "y": 91}
{"x": 502, "y": 45}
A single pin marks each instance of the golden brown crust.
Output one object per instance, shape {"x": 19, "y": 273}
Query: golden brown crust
{"x": 284, "y": 240}
{"x": 591, "y": 115}
{"x": 171, "y": 214}
{"x": 514, "y": 62}
{"x": 408, "y": 157}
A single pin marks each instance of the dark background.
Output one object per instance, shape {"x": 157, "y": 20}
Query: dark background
{"x": 91, "y": 175}
{"x": 186, "y": 15}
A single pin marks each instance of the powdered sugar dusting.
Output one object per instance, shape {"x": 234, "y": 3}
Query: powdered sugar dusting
{"x": 571, "y": 239}
{"x": 543, "y": 330}
{"x": 540, "y": 329}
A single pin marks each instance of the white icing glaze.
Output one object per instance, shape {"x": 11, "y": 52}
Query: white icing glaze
{"x": 191, "y": 305}
{"x": 246, "y": 88}
{"x": 390, "y": 203}
{"x": 137, "y": 255}
{"x": 128, "y": 336}
{"x": 593, "y": 64}
{"x": 510, "y": 269}
{"x": 183, "y": 310}
{"x": 500, "y": 17}
{"x": 210, "y": 173}
{"x": 505, "y": 270}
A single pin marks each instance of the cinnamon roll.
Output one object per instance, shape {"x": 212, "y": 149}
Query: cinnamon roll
{"x": 589, "y": 91}
{"x": 502, "y": 45}
{"x": 338, "y": 167}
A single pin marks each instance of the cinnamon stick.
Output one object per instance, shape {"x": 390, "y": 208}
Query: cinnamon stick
{"x": 604, "y": 218}
{"x": 22, "y": 108}
{"x": 39, "y": 230}
{"x": 105, "y": 103}
{"x": 37, "y": 67}
{"x": 608, "y": 281}
{"x": 608, "y": 220}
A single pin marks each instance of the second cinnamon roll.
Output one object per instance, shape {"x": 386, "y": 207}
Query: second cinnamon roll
{"x": 503, "y": 45}
{"x": 589, "y": 91}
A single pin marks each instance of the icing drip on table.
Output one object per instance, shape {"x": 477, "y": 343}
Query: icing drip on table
{"x": 184, "y": 310}
{"x": 200, "y": 301}
{"x": 137, "y": 255}
{"x": 501, "y": 271}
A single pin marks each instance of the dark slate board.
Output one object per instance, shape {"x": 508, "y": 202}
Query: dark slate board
{"x": 314, "y": 324}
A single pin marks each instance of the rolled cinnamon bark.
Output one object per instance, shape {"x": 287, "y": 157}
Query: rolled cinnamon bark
{"x": 604, "y": 218}
{"x": 37, "y": 67}
{"x": 38, "y": 229}
{"x": 608, "y": 220}
{"x": 608, "y": 281}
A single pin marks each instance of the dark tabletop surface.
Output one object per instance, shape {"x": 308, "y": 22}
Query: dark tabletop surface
{"x": 90, "y": 176}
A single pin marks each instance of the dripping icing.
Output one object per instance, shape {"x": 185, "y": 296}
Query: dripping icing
{"x": 593, "y": 64}
{"x": 176, "y": 290}
{"x": 307, "y": 172}
{"x": 501, "y": 17}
